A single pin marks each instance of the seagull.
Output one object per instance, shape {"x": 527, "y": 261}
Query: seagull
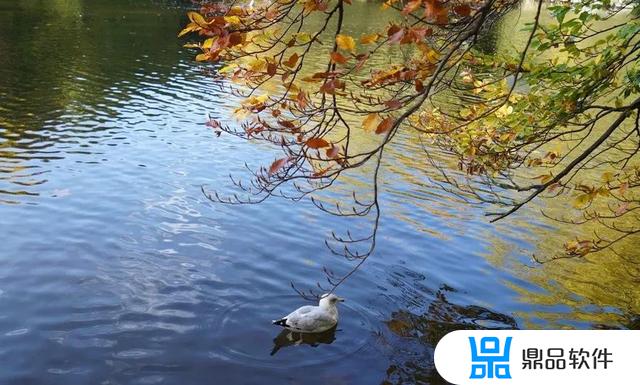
{"x": 313, "y": 319}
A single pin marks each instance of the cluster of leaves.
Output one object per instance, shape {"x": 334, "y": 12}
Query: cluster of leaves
{"x": 564, "y": 103}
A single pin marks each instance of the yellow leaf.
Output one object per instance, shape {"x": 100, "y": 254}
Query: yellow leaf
{"x": 369, "y": 39}
{"x": 202, "y": 57}
{"x": 607, "y": 176}
{"x": 582, "y": 200}
{"x": 346, "y": 42}
{"x": 197, "y": 18}
{"x": 370, "y": 122}
{"x": 208, "y": 43}
{"x": 465, "y": 113}
{"x": 234, "y": 20}
{"x": 191, "y": 27}
{"x": 303, "y": 37}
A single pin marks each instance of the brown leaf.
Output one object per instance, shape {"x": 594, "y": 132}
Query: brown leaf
{"x": 316, "y": 143}
{"x": 419, "y": 85}
{"x": 271, "y": 69}
{"x": 293, "y": 59}
{"x": 462, "y": 10}
{"x": 385, "y": 125}
{"x": 286, "y": 124}
{"x": 393, "y": 104}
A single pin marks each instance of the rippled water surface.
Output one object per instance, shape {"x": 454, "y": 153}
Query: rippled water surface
{"x": 115, "y": 269}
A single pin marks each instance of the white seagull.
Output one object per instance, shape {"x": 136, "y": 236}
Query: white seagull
{"x": 313, "y": 319}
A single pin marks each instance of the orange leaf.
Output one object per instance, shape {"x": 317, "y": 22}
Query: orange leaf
{"x": 436, "y": 10}
{"x": 385, "y": 125}
{"x": 277, "y": 165}
{"x": 316, "y": 143}
{"x": 337, "y": 57}
{"x": 322, "y": 171}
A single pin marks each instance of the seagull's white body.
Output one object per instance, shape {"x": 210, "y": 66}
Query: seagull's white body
{"x": 313, "y": 319}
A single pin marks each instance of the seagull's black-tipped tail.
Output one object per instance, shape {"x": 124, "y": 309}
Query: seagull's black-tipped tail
{"x": 281, "y": 322}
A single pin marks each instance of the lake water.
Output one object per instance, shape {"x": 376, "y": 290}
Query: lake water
{"x": 115, "y": 268}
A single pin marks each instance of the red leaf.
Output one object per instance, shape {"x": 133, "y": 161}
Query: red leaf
{"x": 316, "y": 143}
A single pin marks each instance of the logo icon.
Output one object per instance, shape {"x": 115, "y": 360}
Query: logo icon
{"x": 488, "y": 360}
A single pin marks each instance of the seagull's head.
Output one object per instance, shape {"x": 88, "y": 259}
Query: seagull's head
{"x": 330, "y": 300}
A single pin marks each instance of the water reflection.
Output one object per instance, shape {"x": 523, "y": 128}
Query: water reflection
{"x": 288, "y": 338}
{"x": 419, "y": 332}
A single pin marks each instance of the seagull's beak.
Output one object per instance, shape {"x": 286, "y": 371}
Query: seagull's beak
{"x": 340, "y": 299}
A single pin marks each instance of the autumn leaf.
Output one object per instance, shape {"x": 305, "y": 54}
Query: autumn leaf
{"x": 337, "y": 57}
{"x": 301, "y": 100}
{"x": 271, "y": 69}
{"x": 462, "y": 10}
{"x": 287, "y": 124}
{"x": 624, "y": 187}
{"x": 393, "y": 104}
{"x": 293, "y": 59}
{"x": 395, "y": 34}
{"x": 385, "y": 125}
{"x": 411, "y": 6}
{"x": 346, "y": 43}
{"x": 316, "y": 143}
{"x": 277, "y": 165}
{"x": 622, "y": 208}
{"x": 583, "y": 200}
{"x": 370, "y": 122}
{"x": 333, "y": 151}
{"x": 419, "y": 86}
{"x": 198, "y": 19}
{"x": 435, "y": 10}
{"x": 191, "y": 27}
{"x": 369, "y": 39}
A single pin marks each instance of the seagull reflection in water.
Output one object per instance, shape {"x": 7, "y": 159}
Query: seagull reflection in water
{"x": 291, "y": 338}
